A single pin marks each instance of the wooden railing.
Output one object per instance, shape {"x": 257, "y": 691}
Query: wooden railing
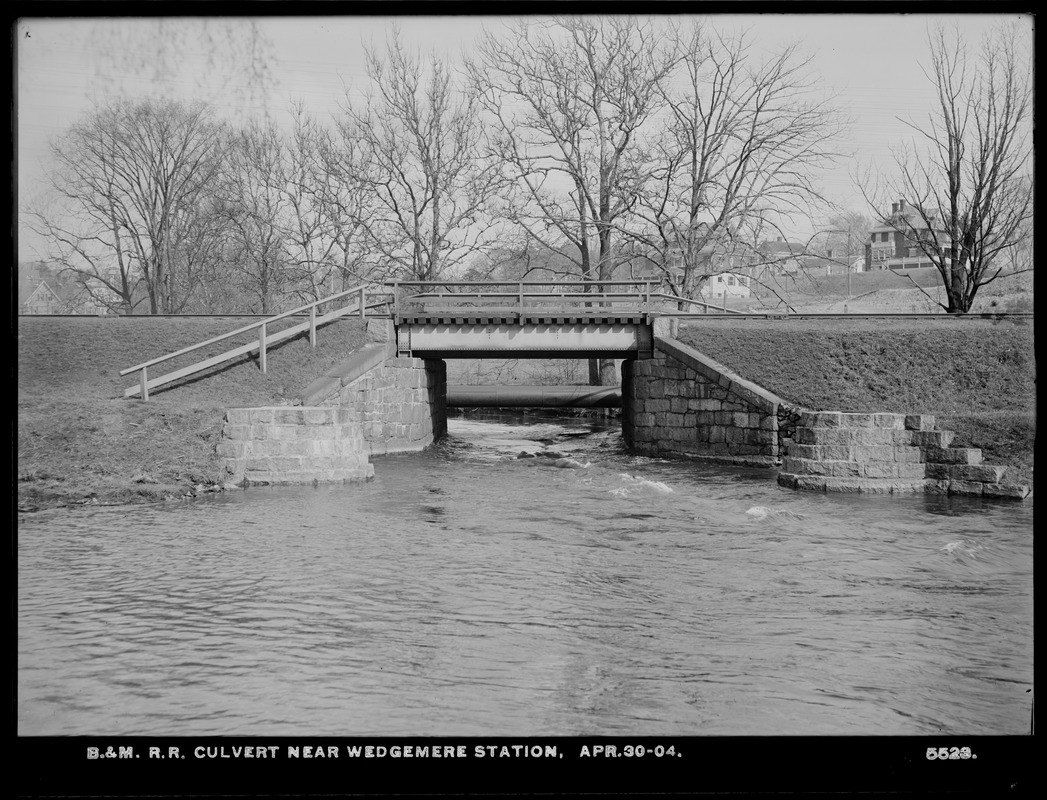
{"x": 394, "y": 299}
{"x": 532, "y": 296}
{"x": 520, "y": 296}
{"x": 683, "y": 305}
{"x": 357, "y": 301}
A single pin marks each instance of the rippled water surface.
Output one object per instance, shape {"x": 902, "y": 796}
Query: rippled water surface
{"x": 465, "y": 591}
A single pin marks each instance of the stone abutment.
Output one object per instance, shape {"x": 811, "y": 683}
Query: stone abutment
{"x": 373, "y": 403}
{"x": 682, "y": 403}
{"x": 678, "y": 403}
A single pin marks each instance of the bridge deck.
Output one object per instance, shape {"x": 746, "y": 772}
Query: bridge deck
{"x": 506, "y": 316}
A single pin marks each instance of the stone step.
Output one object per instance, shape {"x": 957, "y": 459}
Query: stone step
{"x": 859, "y": 453}
{"x": 822, "y": 483}
{"x": 842, "y": 419}
{"x": 983, "y": 473}
{"x": 952, "y": 455}
{"x": 939, "y": 439}
{"x": 873, "y": 437}
{"x": 858, "y": 485}
{"x": 844, "y": 469}
{"x": 1016, "y": 490}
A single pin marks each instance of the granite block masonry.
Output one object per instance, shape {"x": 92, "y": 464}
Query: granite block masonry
{"x": 293, "y": 445}
{"x": 399, "y": 402}
{"x": 680, "y": 402}
{"x": 833, "y": 451}
{"x": 372, "y": 403}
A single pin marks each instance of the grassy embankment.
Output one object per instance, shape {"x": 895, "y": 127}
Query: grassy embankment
{"x": 80, "y": 441}
{"x": 977, "y": 377}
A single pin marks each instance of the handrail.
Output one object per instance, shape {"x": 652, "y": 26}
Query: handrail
{"x": 673, "y": 298}
{"x": 589, "y": 296}
{"x": 261, "y": 345}
{"x": 520, "y": 296}
{"x": 637, "y": 282}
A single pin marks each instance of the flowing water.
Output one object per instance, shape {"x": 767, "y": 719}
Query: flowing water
{"x": 468, "y": 592}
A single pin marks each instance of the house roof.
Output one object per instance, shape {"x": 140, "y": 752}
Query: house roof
{"x": 34, "y": 275}
{"x": 812, "y": 262}
{"x": 42, "y": 288}
{"x": 905, "y": 216}
{"x": 780, "y": 247}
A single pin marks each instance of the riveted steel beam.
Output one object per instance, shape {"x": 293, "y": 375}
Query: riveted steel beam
{"x": 447, "y": 339}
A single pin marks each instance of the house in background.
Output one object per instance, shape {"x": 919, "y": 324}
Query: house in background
{"x": 821, "y": 265}
{"x": 727, "y": 277}
{"x": 42, "y": 300}
{"x": 44, "y": 290}
{"x": 779, "y": 256}
{"x": 830, "y": 264}
{"x": 726, "y": 284}
{"x": 894, "y": 244}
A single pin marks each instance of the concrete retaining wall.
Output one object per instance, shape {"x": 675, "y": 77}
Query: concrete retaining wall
{"x": 680, "y": 402}
{"x": 292, "y": 444}
{"x": 833, "y": 451}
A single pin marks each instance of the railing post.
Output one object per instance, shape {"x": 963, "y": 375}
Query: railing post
{"x": 143, "y": 379}
{"x": 363, "y": 295}
{"x": 261, "y": 347}
{"x": 312, "y": 326}
{"x": 520, "y": 291}
{"x": 396, "y": 300}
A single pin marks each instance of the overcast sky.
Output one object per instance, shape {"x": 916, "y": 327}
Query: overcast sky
{"x": 63, "y": 65}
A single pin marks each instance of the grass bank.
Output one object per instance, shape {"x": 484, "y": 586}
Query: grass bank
{"x": 976, "y": 376}
{"x": 79, "y": 441}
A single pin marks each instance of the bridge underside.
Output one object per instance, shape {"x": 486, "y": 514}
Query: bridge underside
{"x": 525, "y": 339}
{"x": 516, "y": 396}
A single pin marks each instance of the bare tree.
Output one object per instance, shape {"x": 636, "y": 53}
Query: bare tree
{"x": 255, "y": 203}
{"x": 129, "y": 181}
{"x": 419, "y": 138}
{"x": 744, "y": 140}
{"x": 844, "y": 235}
{"x": 347, "y": 203}
{"x": 970, "y": 188}
{"x": 311, "y": 248}
{"x": 570, "y": 98}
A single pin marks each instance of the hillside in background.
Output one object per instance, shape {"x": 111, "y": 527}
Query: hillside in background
{"x": 882, "y": 291}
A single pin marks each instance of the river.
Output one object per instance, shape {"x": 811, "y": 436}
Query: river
{"x": 467, "y": 591}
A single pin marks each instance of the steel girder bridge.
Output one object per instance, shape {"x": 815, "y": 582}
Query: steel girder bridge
{"x": 610, "y": 319}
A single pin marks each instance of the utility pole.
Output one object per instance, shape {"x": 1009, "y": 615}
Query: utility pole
{"x": 849, "y": 260}
{"x": 847, "y": 255}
